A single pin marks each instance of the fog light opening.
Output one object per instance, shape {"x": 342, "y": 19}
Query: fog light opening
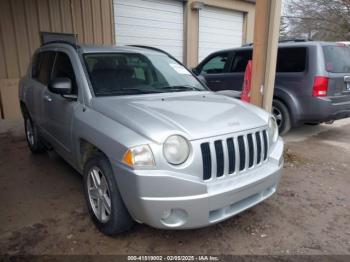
{"x": 166, "y": 214}
{"x": 174, "y": 217}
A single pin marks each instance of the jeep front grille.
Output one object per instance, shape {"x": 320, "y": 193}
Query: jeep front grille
{"x": 232, "y": 155}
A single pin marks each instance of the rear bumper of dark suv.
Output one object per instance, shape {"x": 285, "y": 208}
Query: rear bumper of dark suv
{"x": 324, "y": 109}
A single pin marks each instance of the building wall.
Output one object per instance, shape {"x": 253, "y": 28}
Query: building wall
{"x": 20, "y": 24}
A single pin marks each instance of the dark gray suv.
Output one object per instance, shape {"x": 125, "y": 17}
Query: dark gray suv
{"x": 312, "y": 80}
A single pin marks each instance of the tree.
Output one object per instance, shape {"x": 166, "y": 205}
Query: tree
{"x": 284, "y": 28}
{"x": 327, "y": 20}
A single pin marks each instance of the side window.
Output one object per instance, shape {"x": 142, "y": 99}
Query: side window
{"x": 63, "y": 68}
{"x": 291, "y": 60}
{"x": 43, "y": 66}
{"x": 240, "y": 61}
{"x": 216, "y": 64}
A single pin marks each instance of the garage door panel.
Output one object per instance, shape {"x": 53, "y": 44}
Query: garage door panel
{"x": 149, "y": 40}
{"x": 225, "y": 33}
{"x": 221, "y": 14}
{"x": 148, "y": 23}
{"x": 160, "y": 33}
{"x": 147, "y": 14}
{"x": 158, "y": 5}
{"x": 219, "y": 29}
{"x": 157, "y": 23}
{"x": 220, "y": 24}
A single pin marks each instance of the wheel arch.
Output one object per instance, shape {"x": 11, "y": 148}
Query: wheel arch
{"x": 24, "y": 109}
{"x": 290, "y": 101}
{"x": 86, "y": 150}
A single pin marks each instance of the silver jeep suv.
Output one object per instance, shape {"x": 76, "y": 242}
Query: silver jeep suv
{"x": 153, "y": 144}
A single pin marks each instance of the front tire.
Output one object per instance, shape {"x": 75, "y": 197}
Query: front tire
{"x": 105, "y": 205}
{"x": 34, "y": 141}
{"x": 282, "y": 116}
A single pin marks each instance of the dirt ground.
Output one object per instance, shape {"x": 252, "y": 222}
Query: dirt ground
{"x": 42, "y": 210}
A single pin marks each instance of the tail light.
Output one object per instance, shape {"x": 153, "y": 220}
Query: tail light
{"x": 320, "y": 87}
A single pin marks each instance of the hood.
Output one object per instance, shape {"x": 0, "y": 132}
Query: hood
{"x": 195, "y": 115}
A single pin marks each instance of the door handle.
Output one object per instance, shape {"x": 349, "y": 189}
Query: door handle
{"x": 47, "y": 98}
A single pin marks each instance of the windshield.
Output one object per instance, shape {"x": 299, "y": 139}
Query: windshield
{"x": 337, "y": 58}
{"x": 113, "y": 74}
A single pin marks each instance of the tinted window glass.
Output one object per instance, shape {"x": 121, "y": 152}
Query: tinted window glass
{"x": 216, "y": 65}
{"x": 240, "y": 61}
{"x": 291, "y": 60}
{"x": 63, "y": 68}
{"x": 113, "y": 74}
{"x": 337, "y": 59}
{"x": 45, "y": 63}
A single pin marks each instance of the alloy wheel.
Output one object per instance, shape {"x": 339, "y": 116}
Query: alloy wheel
{"x": 278, "y": 116}
{"x": 30, "y": 132}
{"x": 99, "y": 194}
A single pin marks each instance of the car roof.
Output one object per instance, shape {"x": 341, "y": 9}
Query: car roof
{"x": 281, "y": 45}
{"x": 84, "y": 49}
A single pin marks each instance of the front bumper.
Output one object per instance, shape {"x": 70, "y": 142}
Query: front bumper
{"x": 168, "y": 200}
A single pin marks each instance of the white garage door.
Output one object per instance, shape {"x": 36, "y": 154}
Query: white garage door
{"x": 218, "y": 29}
{"x": 157, "y": 23}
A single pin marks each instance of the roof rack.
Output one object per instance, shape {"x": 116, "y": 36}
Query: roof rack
{"x": 155, "y": 49}
{"x": 63, "y": 38}
{"x": 294, "y": 40}
{"x": 284, "y": 41}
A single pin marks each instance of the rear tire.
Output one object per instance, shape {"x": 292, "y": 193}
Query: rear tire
{"x": 282, "y": 115}
{"x": 105, "y": 205}
{"x": 34, "y": 141}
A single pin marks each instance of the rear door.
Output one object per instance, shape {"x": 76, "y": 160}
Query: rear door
{"x": 237, "y": 69}
{"x": 41, "y": 71}
{"x": 337, "y": 64}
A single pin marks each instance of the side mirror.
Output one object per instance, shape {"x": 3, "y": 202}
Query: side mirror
{"x": 195, "y": 71}
{"x": 61, "y": 86}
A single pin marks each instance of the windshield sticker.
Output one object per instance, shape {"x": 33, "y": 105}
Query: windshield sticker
{"x": 180, "y": 69}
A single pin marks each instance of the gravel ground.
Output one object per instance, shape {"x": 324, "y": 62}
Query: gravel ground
{"x": 43, "y": 210}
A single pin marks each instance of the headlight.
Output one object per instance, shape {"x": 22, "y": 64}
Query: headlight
{"x": 273, "y": 130}
{"x": 139, "y": 156}
{"x": 176, "y": 150}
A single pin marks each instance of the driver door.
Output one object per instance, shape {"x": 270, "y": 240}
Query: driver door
{"x": 59, "y": 111}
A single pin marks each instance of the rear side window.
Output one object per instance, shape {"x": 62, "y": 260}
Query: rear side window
{"x": 42, "y": 66}
{"x": 63, "y": 68}
{"x": 337, "y": 58}
{"x": 240, "y": 61}
{"x": 216, "y": 64}
{"x": 291, "y": 60}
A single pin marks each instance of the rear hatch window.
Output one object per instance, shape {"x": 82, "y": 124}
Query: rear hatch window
{"x": 337, "y": 58}
{"x": 337, "y": 63}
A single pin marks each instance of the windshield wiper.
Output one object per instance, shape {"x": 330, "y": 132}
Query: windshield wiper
{"x": 127, "y": 91}
{"x": 181, "y": 87}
